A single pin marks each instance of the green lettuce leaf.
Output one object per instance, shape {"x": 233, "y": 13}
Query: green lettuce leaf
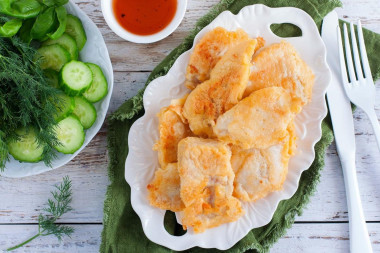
{"x": 61, "y": 15}
{"x": 44, "y": 24}
{"x": 10, "y": 28}
{"x": 20, "y": 8}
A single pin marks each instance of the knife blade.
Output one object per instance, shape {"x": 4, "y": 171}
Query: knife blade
{"x": 343, "y": 126}
{"x": 338, "y": 102}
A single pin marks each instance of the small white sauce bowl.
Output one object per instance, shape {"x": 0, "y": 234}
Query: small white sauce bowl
{"x": 109, "y": 16}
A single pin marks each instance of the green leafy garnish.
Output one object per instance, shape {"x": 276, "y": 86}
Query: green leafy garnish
{"x": 20, "y": 8}
{"x": 54, "y": 2}
{"x": 25, "y": 99}
{"x": 44, "y": 24}
{"x": 60, "y": 28}
{"x": 9, "y": 27}
{"x": 43, "y": 19}
{"x": 24, "y": 32}
{"x": 56, "y": 207}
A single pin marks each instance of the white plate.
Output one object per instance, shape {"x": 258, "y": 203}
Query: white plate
{"x": 142, "y": 160}
{"x": 94, "y": 51}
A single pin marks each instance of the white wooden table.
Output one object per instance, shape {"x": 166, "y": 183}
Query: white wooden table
{"x": 323, "y": 227}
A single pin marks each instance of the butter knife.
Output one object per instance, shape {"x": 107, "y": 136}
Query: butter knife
{"x": 343, "y": 125}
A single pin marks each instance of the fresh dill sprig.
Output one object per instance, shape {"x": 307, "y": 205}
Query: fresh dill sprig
{"x": 26, "y": 99}
{"x": 55, "y": 208}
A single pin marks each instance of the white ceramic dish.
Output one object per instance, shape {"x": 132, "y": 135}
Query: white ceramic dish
{"x": 142, "y": 160}
{"x": 109, "y": 16}
{"x": 94, "y": 51}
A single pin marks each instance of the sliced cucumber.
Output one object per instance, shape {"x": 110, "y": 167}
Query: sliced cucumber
{"x": 26, "y": 148}
{"x": 99, "y": 86}
{"x": 53, "y": 57}
{"x": 85, "y": 111}
{"x": 75, "y": 29}
{"x": 75, "y": 78}
{"x": 52, "y": 78}
{"x": 70, "y": 133}
{"x": 67, "y": 42}
{"x": 65, "y": 106}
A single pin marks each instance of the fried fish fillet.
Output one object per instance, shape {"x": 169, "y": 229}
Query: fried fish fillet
{"x": 206, "y": 184}
{"x": 224, "y": 89}
{"x": 258, "y": 121}
{"x": 280, "y": 65}
{"x": 202, "y": 215}
{"x": 259, "y": 172}
{"x": 208, "y": 52}
{"x": 164, "y": 190}
{"x": 172, "y": 128}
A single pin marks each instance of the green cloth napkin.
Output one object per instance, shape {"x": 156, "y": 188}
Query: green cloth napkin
{"x": 122, "y": 227}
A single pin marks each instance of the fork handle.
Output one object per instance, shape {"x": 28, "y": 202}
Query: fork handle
{"x": 375, "y": 125}
{"x": 359, "y": 238}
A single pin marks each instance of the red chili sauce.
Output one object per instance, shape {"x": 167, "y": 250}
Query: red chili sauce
{"x": 144, "y": 17}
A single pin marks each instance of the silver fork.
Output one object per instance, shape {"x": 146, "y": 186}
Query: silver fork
{"x": 360, "y": 90}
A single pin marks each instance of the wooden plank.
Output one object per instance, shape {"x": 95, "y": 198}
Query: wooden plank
{"x": 311, "y": 238}
{"x": 195, "y": 9}
{"x": 22, "y": 199}
{"x": 300, "y": 238}
{"x": 365, "y": 10}
{"x": 331, "y": 193}
{"x": 127, "y": 56}
{"x": 86, "y": 238}
{"x": 126, "y": 85}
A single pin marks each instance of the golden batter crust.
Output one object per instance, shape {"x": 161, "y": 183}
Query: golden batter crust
{"x": 224, "y": 89}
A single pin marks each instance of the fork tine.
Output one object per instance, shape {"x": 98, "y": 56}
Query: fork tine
{"x": 341, "y": 58}
{"x": 358, "y": 67}
{"x": 350, "y": 66}
{"x": 363, "y": 52}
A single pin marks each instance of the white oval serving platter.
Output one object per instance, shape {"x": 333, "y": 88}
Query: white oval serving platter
{"x": 94, "y": 51}
{"x": 142, "y": 160}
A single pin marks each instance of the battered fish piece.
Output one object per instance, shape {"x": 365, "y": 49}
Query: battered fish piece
{"x": 208, "y": 52}
{"x": 173, "y": 127}
{"x": 257, "y": 121}
{"x": 224, "y": 89}
{"x": 202, "y": 215}
{"x": 206, "y": 184}
{"x": 164, "y": 190}
{"x": 259, "y": 172}
{"x": 280, "y": 65}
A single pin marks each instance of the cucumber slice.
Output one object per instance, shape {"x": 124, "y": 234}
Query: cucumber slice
{"x": 85, "y": 111}
{"x": 70, "y": 133}
{"x": 65, "y": 106}
{"x": 26, "y": 148}
{"x": 53, "y": 57}
{"x": 75, "y": 78}
{"x": 51, "y": 77}
{"x": 75, "y": 29}
{"x": 67, "y": 42}
{"x": 99, "y": 86}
